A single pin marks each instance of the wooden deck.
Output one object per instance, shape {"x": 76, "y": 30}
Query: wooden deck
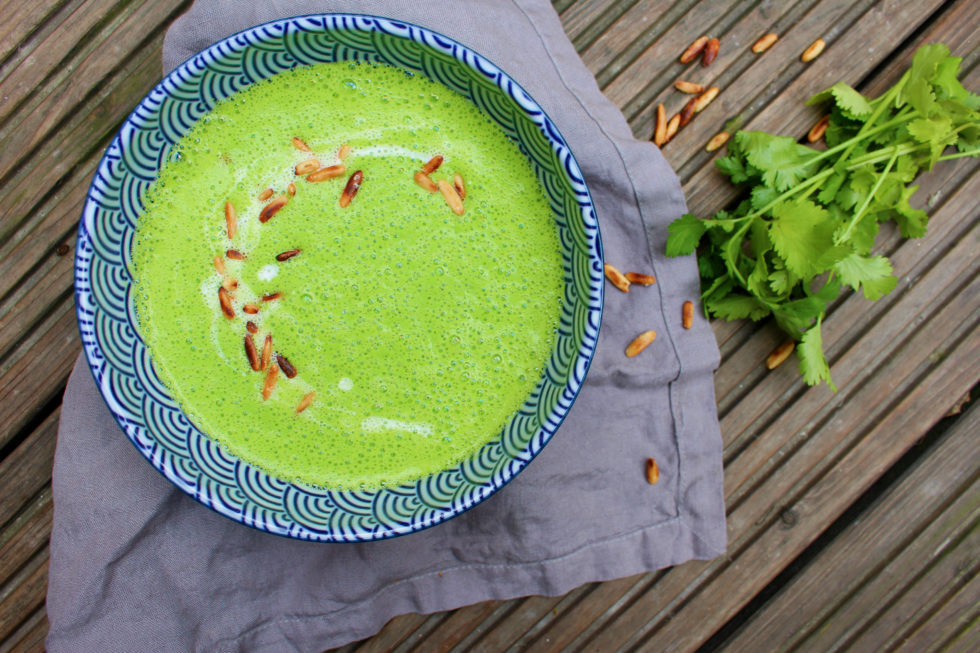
{"x": 853, "y": 518}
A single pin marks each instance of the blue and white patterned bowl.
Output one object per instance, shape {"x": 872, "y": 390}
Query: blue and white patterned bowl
{"x": 123, "y": 367}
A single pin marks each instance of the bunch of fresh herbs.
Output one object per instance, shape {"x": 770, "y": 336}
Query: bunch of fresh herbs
{"x": 808, "y": 223}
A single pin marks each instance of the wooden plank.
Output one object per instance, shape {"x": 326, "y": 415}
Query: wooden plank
{"x": 949, "y": 623}
{"x": 87, "y": 130}
{"x": 876, "y": 555}
{"x": 95, "y": 54}
{"x": 454, "y": 628}
{"x": 26, "y": 535}
{"x": 23, "y": 594}
{"x": 21, "y": 20}
{"x": 744, "y": 77}
{"x": 583, "y": 21}
{"x": 37, "y": 369}
{"x": 29, "y": 638}
{"x": 28, "y": 468}
{"x": 947, "y": 569}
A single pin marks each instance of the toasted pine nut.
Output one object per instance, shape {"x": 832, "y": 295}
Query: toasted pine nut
{"x": 300, "y": 145}
{"x": 343, "y": 152}
{"x": 641, "y": 279}
{"x": 224, "y": 299}
{"x": 251, "y": 309}
{"x": 291, "y": 189}
{"x": 219, "y": 264}
{"x": 688, "y": 111}
{"x": 706, "y": 98}
{"x": 452, "y": 198}
{"x": 653, "y": 471}
{"x": 235, "y": 255}
{"x": 305, "y": 402}
{"x": 270, "y": 382}
{"x": 660, "y": 133}
{"x": 327, "y": 173}
{"x": 672, "y": 125}
{"x": 710, "y": 52}
{"x": 252, "y": 327}
{"x": 285, "y": 366}
{"x": 266, "y": 351}
{"x": 266, "y": 194}
{"x": 695, "y": 49}
{"x": 687, "y": 315}
{"x": 459, "y": 185}
{"x": 717, "y": 141}
{"x": 780, "y": 354}
{"x": 251, "y": 353}
{"x": 350, "y": 190}
{"x": 288, "y": 254}
{"x": 764, "y": 42}
{"x": 617, "y": 278}
{"x": 231, "y": 220}
{"x": 813, "y": 51}
{"x": 425, "y": 181}
{"x": 306, "y": 167}
{"x": 271, "y": 297}
{"x": 229, "y": 284}
{"x": 433, "y": 164}
{"x": 818, "y": 129}
{"x": 688, "y": 87}
{"x": 640, "y": 343}
{"x": 272, "y": 208}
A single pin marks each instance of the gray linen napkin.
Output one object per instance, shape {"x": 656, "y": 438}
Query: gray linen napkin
{"x": 136, "y": 565}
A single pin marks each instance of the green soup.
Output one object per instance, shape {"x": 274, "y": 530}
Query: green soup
{"x": 421, "y": 332}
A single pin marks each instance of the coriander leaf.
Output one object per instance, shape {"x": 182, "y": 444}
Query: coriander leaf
{"x": 684, "y": 234}
{"x": 798, "y": 315}
{"x": 781, "y": 280}
{"x": 800, "y": 232}
{"x": 872, "y": 275}
{"x": 932, "y": 130}
{"x": 813, "y": 364}
{"x": 759, "y": 242}
{"x": 762, "y": 196}
{"x": 945, "y": 80}
{"x": 830, "y": 187}
{"x": 732, "y": 166}
{"x": 863, "y": 233}
{"x": 917, "y": 90}
{"x": 911, "y": 222}
{"x": 782, "y": 161}
{"x": 851, "y": 103}
{"x": 737, "y": 307}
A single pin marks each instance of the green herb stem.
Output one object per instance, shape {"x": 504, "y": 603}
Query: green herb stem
{"x": 867, "y": 200}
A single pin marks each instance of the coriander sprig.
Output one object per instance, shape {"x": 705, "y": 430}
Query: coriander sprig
{"x": 807, "y": 224}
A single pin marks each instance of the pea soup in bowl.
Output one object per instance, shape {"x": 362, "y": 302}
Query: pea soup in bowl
{"x": 339, "y": 278}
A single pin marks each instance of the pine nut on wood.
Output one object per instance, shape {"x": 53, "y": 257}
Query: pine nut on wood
{"x": 660, "y": 133}
{"x": 695, "y": 49}
{"x": 813, "y": 51}
{"x": 706, "y": 98}
{"x": 780, "y": 354}
{"x": 710, "y": 51}
{"x": 818, "y": 130}
{"x": 717, "y": 141}
{"x": 688, "y": 87}
{"x": 764, "y": 43}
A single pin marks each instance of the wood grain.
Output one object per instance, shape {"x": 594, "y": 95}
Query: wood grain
{"x": 930, "y": 505}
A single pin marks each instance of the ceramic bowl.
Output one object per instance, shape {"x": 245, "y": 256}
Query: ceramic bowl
{"x": 124, "y": 369}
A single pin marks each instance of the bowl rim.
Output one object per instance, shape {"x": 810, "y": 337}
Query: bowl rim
{"x": 581, "y": 361}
